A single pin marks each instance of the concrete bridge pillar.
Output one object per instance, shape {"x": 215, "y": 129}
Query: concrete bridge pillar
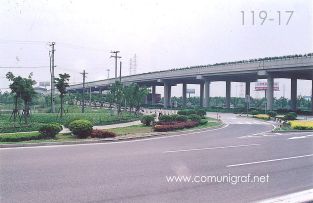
{"x": 184, "y": 94}
{"x": 270, "y": 93}
{"x": 206, "y": 93}
{"x": 312, "y": 98}
{"x": 201, "y": 94}
{"x": 228, "y": 90}
{"x": 293, "y": 94}
{"x": 153, "y": 95}
{"x": 167, "y": 95}
{"x": 247, "y": 94}
{"x": 248, "y": 88}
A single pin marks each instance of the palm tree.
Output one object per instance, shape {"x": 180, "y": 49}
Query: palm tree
{"x": 61, "y": 85}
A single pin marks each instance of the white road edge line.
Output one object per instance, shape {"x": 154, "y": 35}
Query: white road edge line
{"x": 302, "y": 196}
{"x": 271, "y": 160}
{"x": 295, "y": 138}
{"x": 210, "y": 148}
{"x": 118, "y": 142}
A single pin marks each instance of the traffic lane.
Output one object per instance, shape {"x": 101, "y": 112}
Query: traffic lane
{"x": 97, "y": 179}
{"x": 130, "y": 176}
{"x": 133, "y": 148}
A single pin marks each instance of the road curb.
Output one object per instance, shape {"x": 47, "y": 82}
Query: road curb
{"x": 291, "y": 131}
{"x": 119, "y": 139}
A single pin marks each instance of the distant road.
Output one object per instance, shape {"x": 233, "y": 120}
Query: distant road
{"x": 135, "y": 171}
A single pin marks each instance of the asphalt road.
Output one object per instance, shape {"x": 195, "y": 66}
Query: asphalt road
{"x": 136, "y": 171}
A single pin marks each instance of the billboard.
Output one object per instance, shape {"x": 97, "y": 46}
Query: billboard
{"x": 261, "y": 86}
{"x": 190, "y": 91}
{"x": 44, "y": 84}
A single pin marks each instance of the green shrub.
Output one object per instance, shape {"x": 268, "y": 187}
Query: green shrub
{"x": 203, "y": 121}
{"x": 187, "y": 112}
{"x": 290, "y": 116}
{"x": 201, "y": 112}
{"x": 166, "y": 118}
{"x": 50, "y": 130}
{"x": 18, "y": 137}
{"x": 272, "y": 114}
{"x": 255, "y": 112}
{"x": 181, "y": 118}
{"x": 147, "y": 120}
{"x": 81, "y": 128}
{"x": 194, "y": 117}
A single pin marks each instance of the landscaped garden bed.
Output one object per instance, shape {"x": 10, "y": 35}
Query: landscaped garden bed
{"x": 83, "y": 130}
{"x": 38, "y": 119}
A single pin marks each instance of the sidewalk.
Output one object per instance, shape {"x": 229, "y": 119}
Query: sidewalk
{"x": 103, "y": 127}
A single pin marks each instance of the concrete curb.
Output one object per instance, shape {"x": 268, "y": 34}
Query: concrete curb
{"x": 117, "y": 139}
{"x": 291, "y": 131}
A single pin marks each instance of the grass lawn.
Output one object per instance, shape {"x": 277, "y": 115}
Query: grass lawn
{"x": 100, "y": 117}
{"x": 131, "y": 130}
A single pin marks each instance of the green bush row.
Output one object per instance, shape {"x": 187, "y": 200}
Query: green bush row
{"x": 186, "y": 112}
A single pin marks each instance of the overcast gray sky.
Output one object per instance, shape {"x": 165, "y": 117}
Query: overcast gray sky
{"x": 163, "y": 34}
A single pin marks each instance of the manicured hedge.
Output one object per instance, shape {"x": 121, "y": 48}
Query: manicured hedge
{"x": 147, "y": 120}
{"x": 50, "y": 130}
{"x": 102, "y": 134}
{"x": 301, "y": 125}
{"x": 170, "y": 126}
{"x": 18, "y": 137}
{"x": 194, "y": 117}
{"x": 290, "y": 116}
{"x": 272, "y": 114}
{"x": 262, "y": 116}
{"x": 81, "y": 128}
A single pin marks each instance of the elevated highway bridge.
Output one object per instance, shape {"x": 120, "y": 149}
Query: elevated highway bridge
{"x": 292, "y": 67}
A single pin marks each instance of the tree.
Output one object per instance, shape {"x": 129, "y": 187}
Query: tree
{"x": 27, "y": 95}
{"x": 16, "y": 90}
{"x": 22, "y": 88}
{"x": 139, "y": 96}
{"x": 61, "y": 85}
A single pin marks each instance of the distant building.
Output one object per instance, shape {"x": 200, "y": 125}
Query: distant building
{"x": 41, "y": 90}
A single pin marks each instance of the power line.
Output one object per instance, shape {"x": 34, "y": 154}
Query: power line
{"x": 16, "y": 67}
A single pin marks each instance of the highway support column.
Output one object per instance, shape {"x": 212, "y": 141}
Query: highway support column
{"x": 293, "y": 94}
{"x": 167, "y": 94}
{"x": 153, "y": 95}
{"x": 201, "y": 94}
{"x": 206, "y": 93}
{"x": 247, "y": 94}
{"x": 270, "y": 93}
{"x": 184, "y": 94}
{"x": 312, "y": 98}
{"x": 228, "y": 90}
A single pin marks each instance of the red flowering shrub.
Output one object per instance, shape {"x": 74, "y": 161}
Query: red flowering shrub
{"x": 102, "y": 134}
{"x": 191, "y": 124}
{"x": 169, "y": 126}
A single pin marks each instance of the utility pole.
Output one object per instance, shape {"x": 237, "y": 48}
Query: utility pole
{"x": 130, "y": 66}
{"x": 108, "y": 70}
{"x": 51, "y": 53}
{"x": 84, "y": 80}
{"x": 116, "y": 57}
{"x": 135, "y": 64}
{"x": 120, "y": 71}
